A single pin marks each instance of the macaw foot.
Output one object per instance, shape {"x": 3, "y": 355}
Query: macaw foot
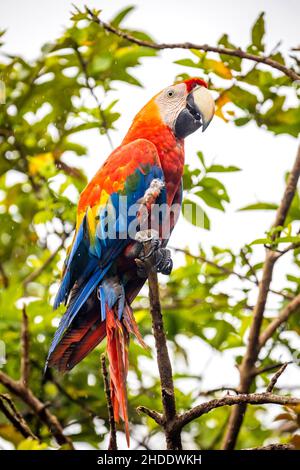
{"x": 152, "y": 255}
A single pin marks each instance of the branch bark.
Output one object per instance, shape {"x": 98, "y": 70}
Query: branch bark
{"x": 173, "y": 438}
{"x": 200, "y": 47}
{"x": 231, "y": 400}
{"x": 278, "y": 321}
{"x": 10, "y": 411}
{"x": 112, "y": 425}
{"x": 254, "y": 345}
{"x": 25, "y": 362}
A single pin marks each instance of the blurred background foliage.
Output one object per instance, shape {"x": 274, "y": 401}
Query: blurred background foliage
{"x": 48, "y": 102}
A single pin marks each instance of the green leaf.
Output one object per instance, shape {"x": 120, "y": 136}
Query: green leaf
{"x": 117, "y": 20}
{"x": 261, "y": 241}
{"x": 265, "y": 206}
{"x": 233, "y": 62}
{"x": 242, "y": 98}
{"x": 257, "y": 34}
{"x": 187, "y": 63}
{"x": 222, "y": 169}
{"x": 194, "y": 214}
{"x": 201, "y": 158}
{"x": 210, "y": 199}
{"x": 101, "y": 63}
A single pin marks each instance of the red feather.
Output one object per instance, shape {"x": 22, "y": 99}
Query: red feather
{"x": 191, "y": 83}
{"x": 117, "y": 351}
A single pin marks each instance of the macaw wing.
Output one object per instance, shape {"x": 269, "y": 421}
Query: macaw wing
{"x": 118, "y": 185}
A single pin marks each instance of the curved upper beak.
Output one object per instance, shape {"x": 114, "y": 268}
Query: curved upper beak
{"x": 198, "y": 112}
{"x": 204, "y": 103}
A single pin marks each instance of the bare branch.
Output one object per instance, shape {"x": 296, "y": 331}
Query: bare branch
{"x": 20, "y": 389}
{"x": 219, "y": 389}
{"x": 10, "y": 411}
{"x": 200, "y": 47}
{"x": 276, "y": 377}
{"x": 92, "y": 91}
{"x": 25, "y": 362}
{"x": 157, "y": 417}
{"x": 35, "y": 274}
{"x": 163, "y": 360}
{"x": 274, "y": 447}
{"x": 70, "y": 170}
{"x": 254, "y": 345}
{"x": 230, "y": 400}
{"x": 38, "y": 407}
{"x": 112, "y": 425}
{"x": 270, "y": 368}
{"x": 283, "y": 316}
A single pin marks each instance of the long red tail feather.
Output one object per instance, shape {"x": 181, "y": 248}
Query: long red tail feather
{"x": 117, "y": 351}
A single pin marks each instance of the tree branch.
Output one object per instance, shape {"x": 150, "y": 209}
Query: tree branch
{"x": 253, "y": 346}
{"x": 229, "y": 272}
{"x": 200, "y": 47}
{"x": 10, "y": 411}
{"x": 173, "y": 440}
{"x": 35, "y": 274}
{"x": 231, "y": 400}
{"x": 274, "y": 447}
{"x": 20, "y": 389}
{"x": 157, "y": 417}
{"x": 25, "y": 363}
{"x": 276, "y": 377}
{"x": 83, "y": 65}
{"x": 278, "y": 321}
{"x": 112, "y": 425}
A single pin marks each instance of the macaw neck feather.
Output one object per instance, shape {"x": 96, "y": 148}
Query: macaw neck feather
{"x": 149, "y": 125}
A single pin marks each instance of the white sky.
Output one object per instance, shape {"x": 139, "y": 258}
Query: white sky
{"x": 262, "y": 157}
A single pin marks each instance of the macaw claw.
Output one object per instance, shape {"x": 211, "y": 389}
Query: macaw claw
{"x": 152, "y": 255}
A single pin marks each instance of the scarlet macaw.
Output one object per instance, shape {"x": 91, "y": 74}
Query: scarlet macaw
{"x": 101, "y": 277}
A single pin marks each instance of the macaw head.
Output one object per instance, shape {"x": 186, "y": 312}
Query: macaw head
{"x": 186, "y": 106}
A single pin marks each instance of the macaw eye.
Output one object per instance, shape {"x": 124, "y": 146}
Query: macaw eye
{"x": 170, "y": 93}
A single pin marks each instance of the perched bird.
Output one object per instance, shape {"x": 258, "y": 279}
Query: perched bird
{"x": 106, "y": 266}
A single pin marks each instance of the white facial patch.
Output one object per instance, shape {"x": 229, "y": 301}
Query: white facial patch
{"x": 170, "y": 102}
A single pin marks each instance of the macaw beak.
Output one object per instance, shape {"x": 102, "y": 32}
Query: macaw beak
{"x": 198, "y": 112}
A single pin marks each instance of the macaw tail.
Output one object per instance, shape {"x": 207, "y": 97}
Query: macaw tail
{"x": 117, "y": 351}
{"x": 98, "y": 317}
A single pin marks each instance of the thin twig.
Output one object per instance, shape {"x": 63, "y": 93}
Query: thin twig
{"x": 270, "y": 368}
{"x": 219, "y": 389}
{"x": 276, "y": 377}
{"x": 283, "y": 316}
{"x": 25, "y": 362}
{"x": 157, "y": 417}
{"x": 244, "y": 257}
{"x": 35, "y": 274}
{"x": 189, "y": 45}
{"x": 228, "y": 271}
{"x": 92, "y": 91}
{"x": 113, "y": 445}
